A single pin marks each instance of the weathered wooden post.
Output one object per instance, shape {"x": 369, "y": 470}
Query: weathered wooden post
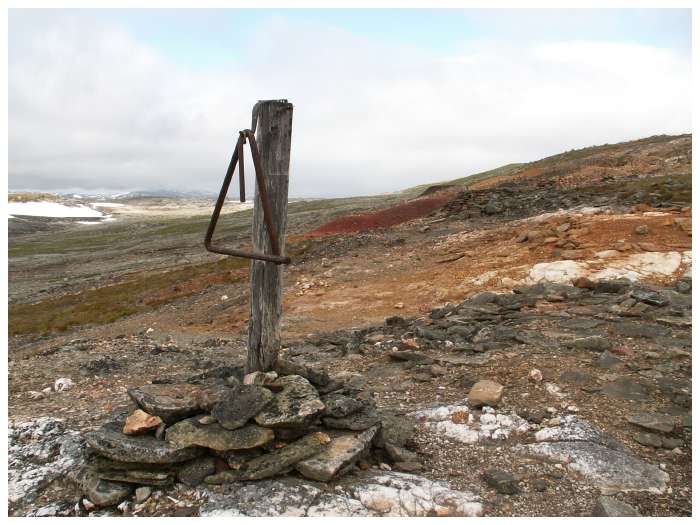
{"x": 274, "y": 137}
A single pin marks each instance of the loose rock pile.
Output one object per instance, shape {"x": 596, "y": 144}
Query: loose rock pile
{"x": 224, "y": 427}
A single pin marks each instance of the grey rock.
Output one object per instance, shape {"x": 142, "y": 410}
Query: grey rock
{"x": 173, "y": 402}
{"x": 429, "y": 333}
{"x": 342, "y": 452}
{"x": 240, "y": 404}
{"x": 395, "y": 429}
{"x": 649, "y": 440}
{"x": 112, "y": 443}
{"x": 613, "y": 508}
{"x": 341, "y": 405}
{"x": 573, "y": 429}
{"x": 190, "y": 432}
{"x": 138, "y": 477}
{"x": 648, "y": 297}
{"x": 609, "y": 470}
{"x": 608, "y": 360}
{"x": 654, "y": 422}
{"x": 101, "y": 492}
{"x": 297, "y": 405}
{"x": 39, "y": 451}
{"x": 502, "y": 481}
{"x": 625, "y": 388}
{"x": 387, "y": 494}
{"x": 595, "y": 343}
{"x": 648, "y": 331}
{"x": 193, "y": 472}
{"x": 276, "y": 462}
{"x": 400, "y": 454}
{"x": 576, "y": 377}
{"x": 410, "y": 356}
{"x": 142, "y": 494}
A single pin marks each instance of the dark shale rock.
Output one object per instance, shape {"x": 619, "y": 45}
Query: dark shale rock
{"x": 190, "y": 432}
{"x": 112, "y": 443}
{"x": 502, "y": 481}
{"x": 240, "y": 404}
{"x": 297, "y": 405}
{"x": 625, "y": 388}
{"x": 654, "y": 422}
{"x": 193, "y": 472}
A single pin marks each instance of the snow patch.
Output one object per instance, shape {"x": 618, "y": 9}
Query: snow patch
{"x": 50, "y": 209}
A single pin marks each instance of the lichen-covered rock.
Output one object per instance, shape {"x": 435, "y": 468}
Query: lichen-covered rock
{"x": 39, "y": 452}
{"x": 297, "y": 405}
{"x": 342, "y": 452}
{"x": 101, "y": 492}
{"x": 112, "y": 443}
{"x": 240, "y": 404}
{"x": 190, "y": 432}
{"x": 173, "y": 402}
{"x": 276, "y": 462}
{"x": 193, "y": 472}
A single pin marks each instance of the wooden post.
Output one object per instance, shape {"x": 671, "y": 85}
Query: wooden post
{"x": 274, "y": 136}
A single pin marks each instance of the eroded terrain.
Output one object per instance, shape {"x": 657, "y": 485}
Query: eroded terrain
{"x": 567, "y": 282}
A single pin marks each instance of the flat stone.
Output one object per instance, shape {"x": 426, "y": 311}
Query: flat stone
{"x": 112, "y": 443}
{"x": 190, "y": 432}
{"x": 342, "y": 452}
{"x": 411, "y": 356}
{"x": 485, "y": 392}
{"x": 502, "y": 481}
{"x": 649, "y": 440}
{"x": 358, "y": 421}
{"x": 241, "y": 404}
{"x": 608, "y": 360}
{"x": 612, "y": 508}
{"x": 138, "y": 477}
{"x": 654, "y": 422}
{"x": 195, "y": 471}
{"x": 297, "y": 405}
{"x": 609, "y": 470}
{"x": 576, "y": 377}
{"x": 141, "y": 422}
{"x": 648, "y": 331}
{"x": 595, "y": 343}
{"x": 173, "y": 402}
{"x": 648, "y": 297}
{"x": 625, "y": 388}
{"x": 276, "y": 462}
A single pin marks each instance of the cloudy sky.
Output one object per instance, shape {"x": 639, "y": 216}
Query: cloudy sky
{"x": 383, "y": 99}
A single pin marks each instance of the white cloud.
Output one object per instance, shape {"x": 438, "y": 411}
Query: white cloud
{"x": 92, "y": 107}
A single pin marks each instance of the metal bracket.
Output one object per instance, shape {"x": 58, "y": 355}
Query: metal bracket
{"x": 237, "y": 158}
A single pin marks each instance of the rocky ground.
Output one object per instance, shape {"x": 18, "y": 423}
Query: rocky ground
{"x": 532, "y": 335}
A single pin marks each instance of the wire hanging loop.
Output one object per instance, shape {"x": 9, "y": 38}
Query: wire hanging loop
{"x": 237, "y": 158}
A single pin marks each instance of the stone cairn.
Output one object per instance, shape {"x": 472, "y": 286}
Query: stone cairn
{"x": 223, "y": 427}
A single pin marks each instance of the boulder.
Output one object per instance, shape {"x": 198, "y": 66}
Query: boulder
{"x": 195, "y": 471}
{"x": 485, "y": 392}
{"x": 241, "y": 404}
{"x": 297, "y": 405}
{"x": 190, "y": 432}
